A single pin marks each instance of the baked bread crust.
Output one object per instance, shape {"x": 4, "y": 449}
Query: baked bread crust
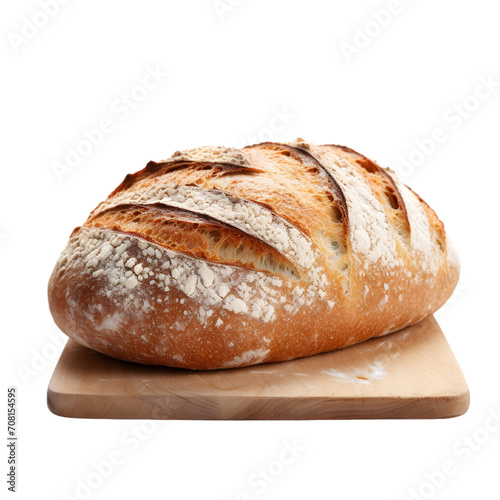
{"x": 219, "y": 258}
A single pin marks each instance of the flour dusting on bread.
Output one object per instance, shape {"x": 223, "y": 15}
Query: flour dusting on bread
{"x": 210, "y": 153}
{"x": 219, "y": 258}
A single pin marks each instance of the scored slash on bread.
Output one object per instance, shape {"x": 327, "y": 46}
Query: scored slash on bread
{"x": 221, "y": 258}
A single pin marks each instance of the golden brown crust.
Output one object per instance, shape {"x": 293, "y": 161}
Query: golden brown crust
{"x": 189, "y": 233}
{"x": 219, "y": 257}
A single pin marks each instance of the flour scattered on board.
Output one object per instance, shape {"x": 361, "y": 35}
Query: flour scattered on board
{"x": 374, "y": 371}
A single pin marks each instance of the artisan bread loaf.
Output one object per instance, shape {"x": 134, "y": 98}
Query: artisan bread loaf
{"x": 219, "y": 258}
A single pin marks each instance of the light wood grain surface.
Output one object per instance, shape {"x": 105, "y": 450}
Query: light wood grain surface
{"x": 408, "y": 374}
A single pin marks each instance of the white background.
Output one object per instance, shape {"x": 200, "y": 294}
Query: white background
{"x": 231, "y": 70}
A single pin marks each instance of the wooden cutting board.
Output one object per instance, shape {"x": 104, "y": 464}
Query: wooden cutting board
{"x": 408, "y": 374}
